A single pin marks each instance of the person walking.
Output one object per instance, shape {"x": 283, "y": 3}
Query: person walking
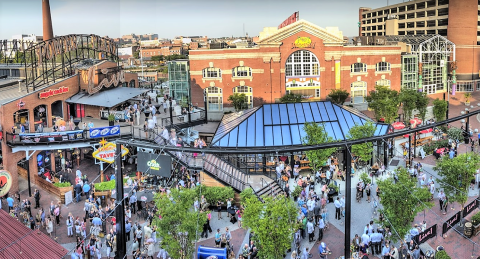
{"x": 49, "y": 225}
{"x": 37, "y": 198}
{"x": 441, "y": 200}
{"x": 69, "y": 227}
{"x": 311, "y": 230}
{"x": 321, "y": 227}
{"x": 338, "y": 207}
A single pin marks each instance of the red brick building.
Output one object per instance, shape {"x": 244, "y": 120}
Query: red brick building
{"x": 300, "y": 58}
{"x": 162, "y": 51}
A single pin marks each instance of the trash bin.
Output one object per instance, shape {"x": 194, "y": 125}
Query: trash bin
{"x": 430, "y": 254}
{"x": 468, "y": 229}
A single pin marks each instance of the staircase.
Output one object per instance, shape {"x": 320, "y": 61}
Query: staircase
{"x": 272, "y": 189}
{"x": 225, "y": 172}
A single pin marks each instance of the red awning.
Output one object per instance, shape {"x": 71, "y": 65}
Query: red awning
{"x": 18, "y": 241}
{"x": 398, "y": 125}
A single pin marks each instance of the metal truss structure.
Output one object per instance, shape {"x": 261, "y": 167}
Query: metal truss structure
{"x": 55, "y": 59}
{"x": 11, "y": 52}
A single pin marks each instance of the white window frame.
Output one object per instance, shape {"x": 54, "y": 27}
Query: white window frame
{"x": 248, "y": 91}
{"x": 214, "y": 96}
{"x": 383, "y": 66}
{"x": 241, "y": 71}
{"x": 430, "y": 89}
{"x": 209, "y": 71}
{"x": 302, "y": 63}
{"x": 465, "y": 86}
{"x": 383, "y": 82}
{"x": 356, "y": 87}
{"x": 358, "y": 68}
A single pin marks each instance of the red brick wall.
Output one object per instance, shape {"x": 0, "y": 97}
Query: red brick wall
{"x": 269, "y": 86}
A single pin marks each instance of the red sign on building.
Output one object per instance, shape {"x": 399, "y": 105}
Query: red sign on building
{"x": 293, "y": 18}
{"x": 52, "y": 92}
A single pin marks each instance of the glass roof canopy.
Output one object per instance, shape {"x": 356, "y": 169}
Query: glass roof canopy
{"x": 282, "y": 124}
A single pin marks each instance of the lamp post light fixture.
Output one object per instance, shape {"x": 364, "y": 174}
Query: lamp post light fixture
{"x": 462, "y": 112}
{"x": 183, "y": 238}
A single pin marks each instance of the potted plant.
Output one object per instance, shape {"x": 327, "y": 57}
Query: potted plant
{"x": 442, "y": 255}
{"x": 111, "y": 119}
{"x": 467, "y": 98}
{"x": 476, "y": 223}
{"x": 296, "y": 192}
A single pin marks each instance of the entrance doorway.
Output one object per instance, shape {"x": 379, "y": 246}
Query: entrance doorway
{"x": 57, "y": 109}
{"x": 40, "y": 116}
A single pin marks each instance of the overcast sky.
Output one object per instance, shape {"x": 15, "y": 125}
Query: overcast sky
{"x": 172, "y": 18}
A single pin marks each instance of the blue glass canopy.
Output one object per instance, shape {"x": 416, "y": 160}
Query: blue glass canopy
{"x": 282, "y": 124}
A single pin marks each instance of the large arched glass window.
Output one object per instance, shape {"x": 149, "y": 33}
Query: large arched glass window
{"x": 214, "y": 97}
{"x": 358, "y": 91}
{"x": 302, "y": 63}
{"x": 247, "y": 90}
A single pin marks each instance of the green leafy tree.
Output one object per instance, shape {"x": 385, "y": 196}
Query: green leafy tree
{"x": 273, "y": 221}
{"x": 402, "y": 201}
{"x": 338, "y": 96}
{"x": 422, "y": 104}
{"x": 408, "y": 98}
{"x": 363, "y": 151}
{"x": 238, "y": 100}
{"x": 178, "y": 216}
{"x": 384, "y": 102}
{"x": 440, "y": 109}
{"x": 455, "y": 175}
{"x": 157, "y": 58}
{"x": 291, "y": 98}
{"x": 136, "y": 54}
{"x": 316, "y": 134}
{"x": 455, "y": 133}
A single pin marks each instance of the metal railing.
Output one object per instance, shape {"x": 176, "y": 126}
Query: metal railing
{"x": 196, "y": 116}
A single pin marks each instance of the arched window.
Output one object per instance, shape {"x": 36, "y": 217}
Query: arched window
{"x": 383, "y": 82}
{"x": 241, "y": 71}
{"x": 358, "y": 91}
{"x": 382, "y": 66}
{"x": 302, "y": 63}
{"x": 214, "y": 97}
{"x": 247, "y": 90}
{"x": 212, "y": 72}
{"x": 358, "y": 68}
{"x": 40, "y": 115}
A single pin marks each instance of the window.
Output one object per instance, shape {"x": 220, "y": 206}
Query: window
{"x": 212, "y": 72}
{"x": 214, "y": 98}
{"x": 465, "y": 86}
{"x": 383, "y": 82}
{"x": 358, "y": 91}
{"x": 241, "y": 72}
{"x": 382, "y": 66}
{"x": 302, "y": 63}
{"x": 243, "y": 89}
{"x": 429, "y": 89}
{"x": 358, "y": 68}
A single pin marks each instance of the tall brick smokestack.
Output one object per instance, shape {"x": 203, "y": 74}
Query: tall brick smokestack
{"x": 47, "y": 20}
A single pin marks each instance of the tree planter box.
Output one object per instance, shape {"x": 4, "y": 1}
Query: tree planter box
{"x": 476, "y": 229}
{"x": 49, "y": 187}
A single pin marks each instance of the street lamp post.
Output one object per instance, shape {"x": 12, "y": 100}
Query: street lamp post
{"x": 183, "y": 238}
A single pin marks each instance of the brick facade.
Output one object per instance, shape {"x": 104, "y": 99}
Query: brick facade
{"x": 267, "y": 61}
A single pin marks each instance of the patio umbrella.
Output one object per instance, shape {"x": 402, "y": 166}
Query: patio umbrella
{"x": 415, "y": 122}
{"x": 398, "y": 125}
{"x": 426, "y": 131}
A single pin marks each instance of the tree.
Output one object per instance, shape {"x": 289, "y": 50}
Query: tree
{"x": 136, "y": 54}
{"x": 439, "y": 109}
{"x": 157, "y": 58}
{"x": 291, "y": 98}
{"x": 384, "y": 103}
{"x": 363, "y": 151}
{"x": 408, "y": 98}
{"x": 338, "y": 96}
{"x": 273, "y": 222}
{"x": 177, "y": 216}
{"x": 455, "y": 175}
{"x": 316, "y": 134}
{"x": 402, "y": 201}
{"x": 238, "y": 100}
{"x": 422, "y": 104}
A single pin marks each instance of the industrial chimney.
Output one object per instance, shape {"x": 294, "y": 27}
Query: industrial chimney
{"x": 47, "y": 21}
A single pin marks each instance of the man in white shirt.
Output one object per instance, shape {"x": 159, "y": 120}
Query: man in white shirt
{"x": 441, "y": 199}
{"x": 365, "y": 239}
{"x": 321, "y": 226}
{"x": 342, "y": 201}
{"x": 311, "y": 230}
{"x": 338, "y": 207}
{"x": 310, "y": 207}
{"x": 376, "y": 239}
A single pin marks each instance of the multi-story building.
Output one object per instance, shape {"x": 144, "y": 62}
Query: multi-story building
{"x": 457, "y": 20}
{"x": 300, "y": 58}
{"x": 162, "y": 51}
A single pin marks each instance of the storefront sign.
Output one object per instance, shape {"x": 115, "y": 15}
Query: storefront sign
{"x": 51, "y": 136}
{"x": 115, "y": 78}
{"x": 154, "y": 164}
{"x": 426, "y": 235}
{"x": 447, "y": 225}
{"x": 5, "y": 182}
{"x": 105, "y": 131}
{"x": 52, "y": 92}
{"x": 337, "y": 74}
{"x": 20, "y": 104}
{"x": 68, "y": 197}
{"x": 293, "y": 18}
{"x": 303, "y": 42}
{"x": 470, "y": 207}
{"x": 106, "y": 153}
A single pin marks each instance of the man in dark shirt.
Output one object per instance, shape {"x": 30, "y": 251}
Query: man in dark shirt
{"x": 317, "y": 211}
{"x": 254, "y": 253}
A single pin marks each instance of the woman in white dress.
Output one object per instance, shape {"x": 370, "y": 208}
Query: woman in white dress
{"x": 49, "y": 224}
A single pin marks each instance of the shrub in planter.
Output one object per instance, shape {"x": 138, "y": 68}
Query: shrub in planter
{"x": 67, "y": 184}
{"x": 442, "y": 255}
{"x": 296, "y": 192}
{"x": 430, "y": 147}
{"x": 332, "y": 185}
{"x": 105, "y": 186}
{"x": 246, "y": 194}
{"x": 476, "y": 219}
{"x": 213, "y": 194}
{"x": 365, "y": 178}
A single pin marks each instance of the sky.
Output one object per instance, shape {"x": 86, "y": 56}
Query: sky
{"x": 171, "y": 18}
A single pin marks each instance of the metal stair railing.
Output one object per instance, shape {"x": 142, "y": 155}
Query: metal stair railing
{"x": 232, "y": 180}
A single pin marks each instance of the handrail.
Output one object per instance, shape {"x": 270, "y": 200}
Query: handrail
{"x": 262, "y": 180}
{"x": 166, "y": 121}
